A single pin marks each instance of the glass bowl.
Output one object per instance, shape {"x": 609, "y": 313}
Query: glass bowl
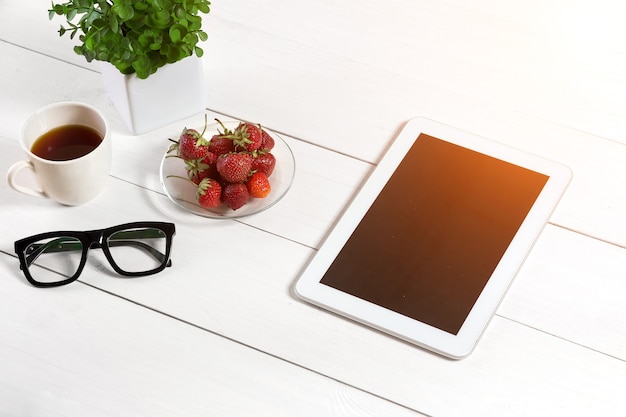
{"x": 183, "y": 193}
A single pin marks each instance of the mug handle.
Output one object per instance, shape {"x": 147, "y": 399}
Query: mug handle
{"x": 12, "y": 173}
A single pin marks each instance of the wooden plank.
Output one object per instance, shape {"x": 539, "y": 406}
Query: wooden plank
{"x": 570, "y": 282}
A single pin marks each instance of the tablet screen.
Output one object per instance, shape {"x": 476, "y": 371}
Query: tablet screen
{"x": 434, "y": 235}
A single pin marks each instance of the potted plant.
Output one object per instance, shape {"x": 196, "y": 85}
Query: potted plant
{"x": 143, "y": 45}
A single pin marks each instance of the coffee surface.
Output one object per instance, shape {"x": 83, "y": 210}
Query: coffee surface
{"x": 66, "y": 142}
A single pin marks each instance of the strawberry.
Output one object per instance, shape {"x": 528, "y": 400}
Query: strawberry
{"x": 235, "y": 195}
{"x": 198, "y": 169}
{"x": 267, "y": 142}
{"x": 234, "y": 167}
{"x": 197, "y": 175}
{"x": 265, "y": 163}
{"x": 192, "y": 145}
{"x": 258, "y": 185}
{"x": 209, "y": 193}
{"x": 220, "y": 144}
{"x": 247, "y": 137}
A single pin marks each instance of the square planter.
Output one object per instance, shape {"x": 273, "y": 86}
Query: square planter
{"x": 174, "y": 92}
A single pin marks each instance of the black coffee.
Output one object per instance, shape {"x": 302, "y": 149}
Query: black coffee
{"x": 66, "y": 142}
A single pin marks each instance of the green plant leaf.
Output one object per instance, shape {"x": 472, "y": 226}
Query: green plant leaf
{"x": 71, "y": 14}
{"x": 115, "y": 27}
{"x": 175, "y": 54}
{"x": 142, "y": 66}
{"x": 159, "y": 20}
{"x": 179, "y": 12}
{"x": 177, "y": 32}
{"x": 204, "y": 7}
{"x": 124, "y": 11}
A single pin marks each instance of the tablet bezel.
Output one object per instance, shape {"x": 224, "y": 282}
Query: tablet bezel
{"x": 309, "y": 288}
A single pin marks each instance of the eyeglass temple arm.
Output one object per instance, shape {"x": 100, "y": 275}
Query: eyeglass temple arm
{"x": 70, "y": 244}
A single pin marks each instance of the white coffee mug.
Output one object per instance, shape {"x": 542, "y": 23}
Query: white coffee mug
{"x": 71, "y": 182}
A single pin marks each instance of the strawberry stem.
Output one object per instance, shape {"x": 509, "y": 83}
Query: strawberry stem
{"x": 224, "y": 128}
{"x": 182, "y": 178}
{"x": 205, "y": 124}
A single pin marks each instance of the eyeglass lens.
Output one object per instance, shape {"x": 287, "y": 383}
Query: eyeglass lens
{"x": 54, "y": 259}
{"x": 134, "y": 251}
{"x": 138, "y": 250}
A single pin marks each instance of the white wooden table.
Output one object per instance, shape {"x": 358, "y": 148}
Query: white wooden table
{"x": 338, "y": 79}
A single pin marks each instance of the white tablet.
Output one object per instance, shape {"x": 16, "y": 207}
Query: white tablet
{"x": 428, "y": 247}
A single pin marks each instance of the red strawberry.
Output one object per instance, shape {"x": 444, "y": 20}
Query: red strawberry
{"x": 197, "y": 176}
{"x": 264, "y": 162}
{"x": 210, "y": 159}
{"x": 192, "y": 145}
{"x": 235, "y": 195}
{"x": 234, "y": 167}
{"x": 247, "y": 137}
{"x": 220, "y": 144}
{"x": 267, "y": 142}
{"x": 199, "y": 169}
{"x": 209, "y": 193}
{"x": 258, "y": 185}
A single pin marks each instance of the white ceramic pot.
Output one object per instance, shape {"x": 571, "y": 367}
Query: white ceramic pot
{"x": 174, "y": 92}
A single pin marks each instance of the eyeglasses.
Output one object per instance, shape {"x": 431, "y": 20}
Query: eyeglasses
{"x": 133, "y": 249}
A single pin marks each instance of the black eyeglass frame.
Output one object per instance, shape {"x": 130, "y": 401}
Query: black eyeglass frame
{"x": 98, "y": 238}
